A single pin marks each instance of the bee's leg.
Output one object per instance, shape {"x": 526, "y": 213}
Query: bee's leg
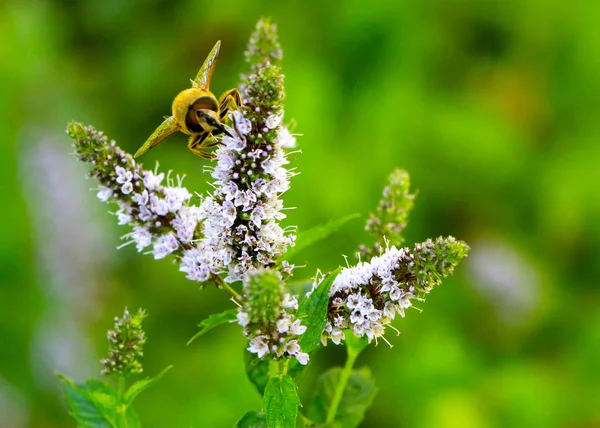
{"x": 196, "y": 145}
{"x": 211, "y": 142}
{"x": 230, "y": 100}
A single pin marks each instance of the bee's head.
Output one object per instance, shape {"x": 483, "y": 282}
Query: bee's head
{"x": 209, "y": 120}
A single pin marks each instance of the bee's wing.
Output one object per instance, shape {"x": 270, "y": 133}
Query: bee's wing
{"x": 202, "y": 80}
{"x": 168, "y": 127}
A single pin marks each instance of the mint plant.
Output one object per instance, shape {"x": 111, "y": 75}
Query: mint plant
{"x": 98, "y": 404}
{"x": 232, "y": 238}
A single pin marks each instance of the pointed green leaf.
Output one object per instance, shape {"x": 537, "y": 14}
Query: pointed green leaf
{"x": 356, "y": 399}
{"x": 257, "y": 371}
{"x": 313, "y": 312}
{"x": 213, "y": 321}
{"x": 140, "y": 385}
{"x": 252, "y": 420}
{"x": 316, "y": 234}
{"x": 93, "y": 404}
{"x": 281, "y": 402}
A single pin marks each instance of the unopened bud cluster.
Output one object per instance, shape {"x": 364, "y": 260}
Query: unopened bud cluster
{"x": 267, "y": 316}
{"x": 366, "y": 297}
{"x": 125, "y": 345}
{"x": 263, "y": 45}
{"x": 391, "y": 216}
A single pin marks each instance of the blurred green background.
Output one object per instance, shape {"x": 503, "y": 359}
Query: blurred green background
{"x": 491, "y": 106}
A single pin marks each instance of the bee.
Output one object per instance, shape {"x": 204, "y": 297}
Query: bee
{"x": 197, "y": 113}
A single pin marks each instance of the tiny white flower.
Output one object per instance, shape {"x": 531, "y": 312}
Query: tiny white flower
{"x": 287, "y": 267}
{"x": 123, "y": 217}
{"x": 104, "y": 193}
{"x": 242, "y": 124}
{"x": 123, "y": 175}
{"x": 297, "y": 328}
{"x": 158, "y": 205}
{"x": 243, "y": 318}
{"x": 337, "y": 335}
{"x": 395, "y": 293}
{"x": 164, "y": 246}
{"x": 356, "y": 317}
{"x": 273, "y": 121}
{"x": 285, "y": 139}
{"x": 247, "y": 199}
{"x": 141, "y": 198}
{"x": 175, "y": 197}
{"x": 229, "y": 211}
{"x": 145, "y": 214}
{"x": 302, "y": 358}
{"x": 289, "y": 301}
{"x": 127, "y": 188}
{"x": 257, "y": 215}
{"x": 226, "y": 161}
{"x": 234, "y": 143}
{"x": 142, "y": 238}
{"x": 354, "y": 300}
{"x": 283, "y": 325}
{"x": 258, "y": 346}
{"x": 389, "y": 310}
{"x": 259, "y": 185}
{"x": 292, "y": 347}
{"x": 151, "y": 181}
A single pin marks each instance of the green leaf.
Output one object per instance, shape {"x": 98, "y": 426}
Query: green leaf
{"x": 316, "y": 234}
{"x": 133, "y": 420}
{"x": 252, "y": 419}
{"x": 313, "y": 311}
{"x": 257, "y": 371}
{"x": 93, "y": 404}
{"x": 356, "y": 399}
{"x": 281, "y": 402}
{"x": 213, "y": 321}
{"x": 140, "y": 385}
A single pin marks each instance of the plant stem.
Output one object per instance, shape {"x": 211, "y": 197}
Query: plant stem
{"x": 121, "y": 388}
{"x": 222, "y": 284}
{"x": 341, "y": 386}
{"x": 122, "y": 408}
{"x": 274, "y": 368}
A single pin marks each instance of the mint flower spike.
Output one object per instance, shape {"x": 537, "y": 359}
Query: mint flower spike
{"x": 365, "y": 298}
{"x": 267, "y": 315}
{"x": 391, "y": 216}
{"x": 241, "y": 217}
{"x": 125, "y": 345}
{"x": 159, "y": 215}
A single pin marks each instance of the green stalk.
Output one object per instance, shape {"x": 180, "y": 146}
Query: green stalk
{"x": 222, "y": 284}
{"x": 121, "y": 407}
{"x": 341, "y": 386}
{"x": 274, "y": 368}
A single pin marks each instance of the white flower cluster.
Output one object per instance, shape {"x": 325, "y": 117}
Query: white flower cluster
{"x": 159, "y": 214}
{"x": 367, "y": 297}
{"x": 280, "y": 339}
{"x": 240, "y": 219}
